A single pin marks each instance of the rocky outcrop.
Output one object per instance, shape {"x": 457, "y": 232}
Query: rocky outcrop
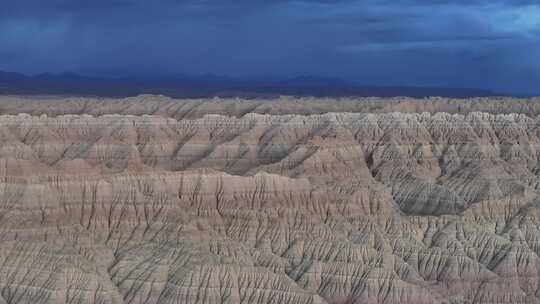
{"x": 342, "y": 207}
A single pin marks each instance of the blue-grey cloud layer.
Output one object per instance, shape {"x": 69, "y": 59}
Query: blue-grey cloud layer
{"x": 475, "y": 43}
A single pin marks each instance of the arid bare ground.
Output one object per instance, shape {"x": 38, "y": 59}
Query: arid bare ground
{"x": 155, "y": 200}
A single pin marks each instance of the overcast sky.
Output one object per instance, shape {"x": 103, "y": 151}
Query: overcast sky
{"x": 491, "y": 44}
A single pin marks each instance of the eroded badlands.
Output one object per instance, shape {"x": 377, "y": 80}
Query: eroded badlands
{"x": 154, "y": 200}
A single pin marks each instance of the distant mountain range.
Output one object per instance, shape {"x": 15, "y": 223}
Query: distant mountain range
{"x": 209, "y": 85}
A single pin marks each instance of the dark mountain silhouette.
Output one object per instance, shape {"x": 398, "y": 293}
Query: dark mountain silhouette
{"x": 209, "y": 85}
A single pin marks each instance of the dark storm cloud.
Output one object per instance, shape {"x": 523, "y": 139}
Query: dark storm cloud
{"x": 482, "y": 43}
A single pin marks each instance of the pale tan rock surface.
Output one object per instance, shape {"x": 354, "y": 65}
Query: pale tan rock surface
{"x": 145, "y": 201}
